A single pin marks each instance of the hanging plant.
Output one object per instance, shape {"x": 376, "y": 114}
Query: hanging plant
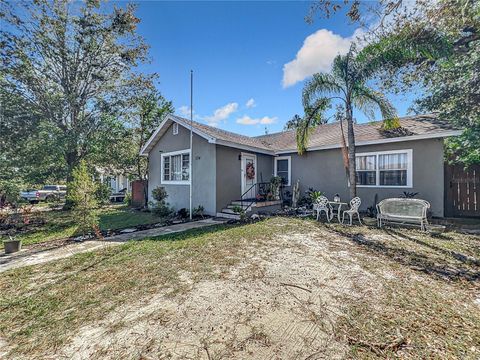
{"x": 250, "y": 171}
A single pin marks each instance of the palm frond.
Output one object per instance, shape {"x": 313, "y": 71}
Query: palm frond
{"x": 313, "y": 116}
{"x": 409, "y": 46}
{"x": 367, "y": 100}
{"x": 321, "y": 85}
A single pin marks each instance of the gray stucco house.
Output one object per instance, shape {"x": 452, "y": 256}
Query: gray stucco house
{"x": 388, "y": 163}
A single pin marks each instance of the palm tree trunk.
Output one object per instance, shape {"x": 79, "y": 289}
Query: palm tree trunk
{"x": 351, "y": 152}
{"x": 344, "y": 150}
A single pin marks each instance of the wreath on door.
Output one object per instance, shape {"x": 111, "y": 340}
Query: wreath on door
{"x": 250, "y": 171}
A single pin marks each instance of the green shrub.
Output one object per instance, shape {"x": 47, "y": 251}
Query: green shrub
{"x": 9, "y": 193}
{"x": 81, "y": 194}
{"x": 183, "y": 213}
{"x": 199, "y": 211}
{"x": 127, "y": 200}
{"x": 162, "y": 210}
{"x": 315, "y": 195}
{"x": 102, "y": 193}
{"x": 159, "y": 193}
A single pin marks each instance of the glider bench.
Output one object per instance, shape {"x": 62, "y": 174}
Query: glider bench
{"x": 403, "y": 211}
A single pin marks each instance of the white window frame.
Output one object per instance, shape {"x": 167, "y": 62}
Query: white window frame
{"x": 409, "y": 153}
{"x": 175, "y": 182}
{"x": 289, "y": 158}
{"x": 175, "y": 128}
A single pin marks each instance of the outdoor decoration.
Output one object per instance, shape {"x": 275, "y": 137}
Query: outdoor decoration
{"x": 250, "y": 171}
{"x": 275, "y": 183}
{"x": 336, "y": 198}
{"x": 296, "y": 194}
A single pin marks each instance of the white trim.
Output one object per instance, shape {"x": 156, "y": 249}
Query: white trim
{"x": 289, "y": 158}
{"x": 243, "y": 179}
{"x": 409, "y": 153}
{"x": 442, "y": 134}
{"x": 175, "y": 128}
{"x": 174, "y": 182}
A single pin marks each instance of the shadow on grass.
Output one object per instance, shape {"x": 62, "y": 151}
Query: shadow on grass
{"x": 461, "y": 268}
{"x": 457, "y": 256}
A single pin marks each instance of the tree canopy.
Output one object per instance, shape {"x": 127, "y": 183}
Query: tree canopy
{"x": 432, "y": 47}
{"x": 69, "y": 73}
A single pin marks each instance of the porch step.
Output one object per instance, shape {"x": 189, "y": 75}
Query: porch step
{"x": 245, "y": 203}
{"x": 245, "y": 206}
{"x": 228, "y": 216}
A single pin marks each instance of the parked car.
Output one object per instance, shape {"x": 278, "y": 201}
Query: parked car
{"x": 47, "y": 193}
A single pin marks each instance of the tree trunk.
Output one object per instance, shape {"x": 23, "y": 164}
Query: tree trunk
{"x": 71, "y": 159}
{"x": 351, "y": 153}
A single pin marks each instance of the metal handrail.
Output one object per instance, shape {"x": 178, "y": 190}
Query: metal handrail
{"x": 251, "y": 201}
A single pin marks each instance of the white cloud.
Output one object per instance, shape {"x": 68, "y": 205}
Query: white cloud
{"x": 250, "y": 103}
{"x": 316, "y": 55}
{"x": 247, "y": 120}
{"x": 221, "y": 114}
{"x": 184, "y": 110}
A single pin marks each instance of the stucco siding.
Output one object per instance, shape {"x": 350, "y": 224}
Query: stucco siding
{"x": 323, "y": 170}
{"x": 203, "y": 168}
{"x": 229, "y": 173}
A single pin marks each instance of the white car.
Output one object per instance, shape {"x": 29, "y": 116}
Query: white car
{"x": 47, "y": 193}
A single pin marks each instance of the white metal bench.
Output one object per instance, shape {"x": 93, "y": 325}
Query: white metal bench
{"x": 404, "y": 211}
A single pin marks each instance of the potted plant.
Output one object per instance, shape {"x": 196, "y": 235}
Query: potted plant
{"x": 12, "y": 245}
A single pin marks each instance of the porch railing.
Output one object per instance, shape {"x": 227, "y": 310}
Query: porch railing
{"x": 260, "y": 193}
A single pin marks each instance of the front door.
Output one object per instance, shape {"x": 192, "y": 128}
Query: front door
{"x": 249, "y": 175}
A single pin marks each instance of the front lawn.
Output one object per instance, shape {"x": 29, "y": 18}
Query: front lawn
{"x": 281, "y": 288}
{"x": 58, "y": 224}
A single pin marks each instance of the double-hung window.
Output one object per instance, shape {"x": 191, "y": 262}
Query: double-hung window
{"x": 283, "y": 169}
{"x": 176, "y": 167}
{"x": 384, "y": 169}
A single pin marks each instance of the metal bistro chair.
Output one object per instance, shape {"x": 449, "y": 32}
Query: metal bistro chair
{"x": 321, "y": 204}
{"x": 354, "y": 206}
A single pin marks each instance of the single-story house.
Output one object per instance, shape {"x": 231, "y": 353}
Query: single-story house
{"x": 226, "y": 165}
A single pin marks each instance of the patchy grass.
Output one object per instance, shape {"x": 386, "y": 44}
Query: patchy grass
{"x": 426, "y": 298}
{"x": 57, "y": 224}
{"x": 42, "y": 305}
{"x": 413, "y": 295}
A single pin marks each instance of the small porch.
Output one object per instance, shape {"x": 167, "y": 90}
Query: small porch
{"x": 259, "y": 197}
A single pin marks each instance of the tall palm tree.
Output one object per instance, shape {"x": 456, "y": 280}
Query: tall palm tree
{"x": 347, "y": 84}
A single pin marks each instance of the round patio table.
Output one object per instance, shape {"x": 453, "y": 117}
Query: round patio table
{"x": 339, "y": 209}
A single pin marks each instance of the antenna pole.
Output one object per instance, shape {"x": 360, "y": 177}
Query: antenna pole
{"x": 191, "y": 143}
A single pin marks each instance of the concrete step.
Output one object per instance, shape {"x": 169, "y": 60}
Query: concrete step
{"x": 239, "y": 203}
{"x": 234, "y": 206}
{"x": 228, "y": 216}
{"x": 229, "y": 211}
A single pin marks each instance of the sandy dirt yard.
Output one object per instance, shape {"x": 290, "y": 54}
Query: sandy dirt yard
{"x": 304, "y": 291}
{"x": 280, "y": 302}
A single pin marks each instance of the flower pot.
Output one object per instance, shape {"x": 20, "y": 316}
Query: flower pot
{"x": 12, "y": 246}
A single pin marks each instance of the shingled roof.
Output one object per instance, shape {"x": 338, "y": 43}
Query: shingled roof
{"x": 322, "y": 137}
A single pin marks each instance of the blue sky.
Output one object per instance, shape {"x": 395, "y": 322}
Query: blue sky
{"x": 238, "y": 52}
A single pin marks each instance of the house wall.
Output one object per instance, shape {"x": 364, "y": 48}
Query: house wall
{"x": 228, "y": 167}
{"x": 323, "y": 170}
{"x": 203, "y": 169}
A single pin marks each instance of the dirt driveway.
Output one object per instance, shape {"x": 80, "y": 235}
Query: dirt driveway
{"x": 287, "y": 296}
